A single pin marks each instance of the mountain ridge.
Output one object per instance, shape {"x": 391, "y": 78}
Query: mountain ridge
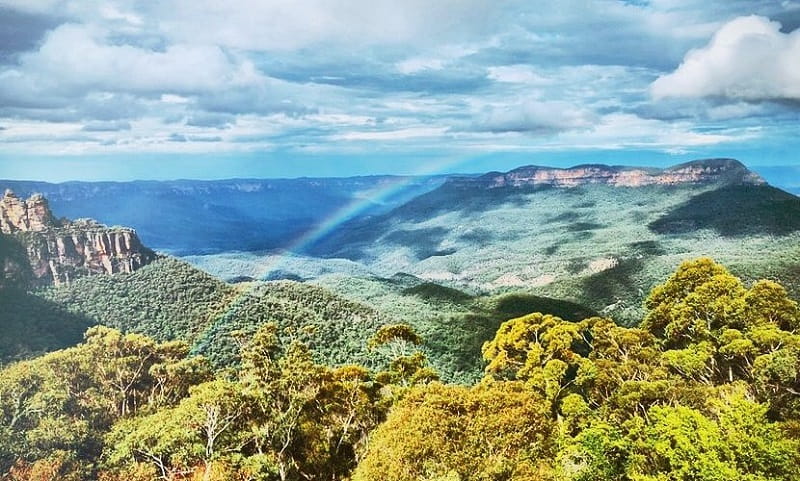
{"x": 699, "y": 171}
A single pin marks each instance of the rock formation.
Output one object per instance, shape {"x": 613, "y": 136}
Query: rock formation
{"x": 708, "y": 171}
{"x": 61, "y": 250}
{"x": 17, "y": 215}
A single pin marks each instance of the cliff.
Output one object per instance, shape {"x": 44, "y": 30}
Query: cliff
{"x": 57, "y": 251}
{"x": 17, "y": 215}
{"x": 707, "y": 171}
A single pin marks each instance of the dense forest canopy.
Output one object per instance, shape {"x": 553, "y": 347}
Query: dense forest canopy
{"x": 707, "y": 387}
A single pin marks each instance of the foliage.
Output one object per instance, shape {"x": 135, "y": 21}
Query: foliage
{"x": 55, "y": 409}
{"x": 707, "y": 388}
{"x": 498, "y": 430}
{"x": 281, "y": 417}
{"x": 453, "y": 331}
{"x": 170, "y": 300}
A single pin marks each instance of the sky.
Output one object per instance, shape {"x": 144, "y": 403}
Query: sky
{"x": 137, "y": 89}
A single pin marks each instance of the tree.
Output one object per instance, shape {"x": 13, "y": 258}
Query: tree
{"x": 539, "y": 349}
{"x": 206, "y": 427}
{"x": 733, "y": 439}
{"x": 496, "y": 430}
{"x": 405, "y": 365}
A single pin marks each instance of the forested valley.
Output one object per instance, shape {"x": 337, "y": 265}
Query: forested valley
{"x": 706, "y": 387}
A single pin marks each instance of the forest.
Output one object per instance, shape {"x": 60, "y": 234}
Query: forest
{"x": 706, "y": 387}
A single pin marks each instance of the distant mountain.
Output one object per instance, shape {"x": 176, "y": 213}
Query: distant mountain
{"x": 191, "y": 216}
{"x": 494, "y": 192}
{"x": 593, "y": 234}
{"x": 706, "y": 171}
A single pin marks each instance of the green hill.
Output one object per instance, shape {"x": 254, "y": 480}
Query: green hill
{"x": 169, "y": 299}
{"x": 454, "y": 324}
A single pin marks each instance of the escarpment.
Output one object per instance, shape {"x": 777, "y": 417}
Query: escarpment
{"x": 706, "y": 171}
{"x": 39, "y": 249}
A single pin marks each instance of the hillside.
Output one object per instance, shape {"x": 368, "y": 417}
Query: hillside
{"x": 169, "y": 299}
{"x": 704, "y": 389}
{"x": 596, "y": 235}
{"x": 454, "y": 324}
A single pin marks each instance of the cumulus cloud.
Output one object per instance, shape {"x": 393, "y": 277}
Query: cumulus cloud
{"x": 748, "y": 58}
{"x": 77, "y": 56}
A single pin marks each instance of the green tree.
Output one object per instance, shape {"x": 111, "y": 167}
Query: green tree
{"x": 496, "y": 430}
{"x": 206, "y": 427}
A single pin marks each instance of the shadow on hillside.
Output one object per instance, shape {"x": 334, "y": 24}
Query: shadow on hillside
{"x": 515, "y": 305}
{"x": 422, "y": 242}
{"x": 32, "y": 325}
{"x": 735, "y": 211}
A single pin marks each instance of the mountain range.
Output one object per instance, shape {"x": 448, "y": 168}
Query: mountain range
{"x": 190, "y": 216}
{"x": 452, "y": 256}
{"x": 592, "y": 234}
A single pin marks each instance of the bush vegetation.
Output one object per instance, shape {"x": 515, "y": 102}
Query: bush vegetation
{"x": 705, "y": 388}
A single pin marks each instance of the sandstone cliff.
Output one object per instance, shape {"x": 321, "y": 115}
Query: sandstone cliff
{"x": 58, "y": 251}
{"x": 707, "y": 171}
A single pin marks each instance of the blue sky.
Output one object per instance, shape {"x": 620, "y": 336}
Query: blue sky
{"x": 125, "y": 89}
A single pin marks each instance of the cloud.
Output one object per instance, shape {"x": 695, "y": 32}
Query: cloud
{"x": 282, "y": 26}
{"x": 80, "y": 57}
{"x": 108, "y": 126}
{"x": 109, "y": 76}
{"x": 523, "y": 74}
{"x": 400, "y": 134}
{"x": 20, "y": 31}
{"x": 534, "y": 116}
{"x": 748, "y": 58}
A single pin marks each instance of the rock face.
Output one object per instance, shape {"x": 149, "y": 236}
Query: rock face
{"x": 17, "y": 215}
{"x": 707, "y": 171}
{"x": 61, "y": 250}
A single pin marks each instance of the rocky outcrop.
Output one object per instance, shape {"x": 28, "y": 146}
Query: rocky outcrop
{"x": 707, "y": 171}
{"x": 17, "y": 215}
{"x": 59, "y": 251}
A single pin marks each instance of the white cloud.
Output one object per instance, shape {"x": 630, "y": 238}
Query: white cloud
{"x": 534, "y": 116}
{"x": 289, "y": 25}
{"x": 523, "y": 74}
{"x": 748, "y": 58}
{"x": 619, "y": 130}
{"x": 419, "y": 64}
{"x": 78, "y": 56}
{"x": 127, "y": 75}
{"x": 400, "y": 134}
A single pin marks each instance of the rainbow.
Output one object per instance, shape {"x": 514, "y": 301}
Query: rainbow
{"x": 338, "y": 218}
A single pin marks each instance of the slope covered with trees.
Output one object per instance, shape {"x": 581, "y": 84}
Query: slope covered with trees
{"x": 706, "y": 388}
{"x": 170, "y": 300}
{"x": 570, "y": 234}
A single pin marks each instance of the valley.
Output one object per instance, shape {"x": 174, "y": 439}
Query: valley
{"x": 412, "y": 294}
{"x": 466, "y": 252}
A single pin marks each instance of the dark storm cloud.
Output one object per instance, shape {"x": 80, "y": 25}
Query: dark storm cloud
{"x": 20, "y": 32}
